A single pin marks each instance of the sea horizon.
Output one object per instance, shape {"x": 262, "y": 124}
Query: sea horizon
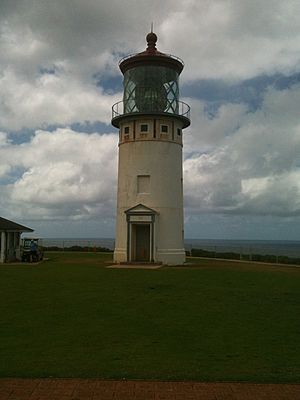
{"x": 290, "y": 248}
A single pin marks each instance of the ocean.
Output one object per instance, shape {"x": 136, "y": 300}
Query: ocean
{"x": 274, "y": 247}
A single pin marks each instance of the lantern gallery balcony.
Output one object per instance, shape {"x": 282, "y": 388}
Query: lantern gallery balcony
{"x": 151, "y": 106}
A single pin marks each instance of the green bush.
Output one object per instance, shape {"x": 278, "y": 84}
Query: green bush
{"x": 97, "y": 249}
{"x": 268, "y": 258}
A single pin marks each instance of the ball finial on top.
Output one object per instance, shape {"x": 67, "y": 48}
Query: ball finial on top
{"x": 151, "y": 40}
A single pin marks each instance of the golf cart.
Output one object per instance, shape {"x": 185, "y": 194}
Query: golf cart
{"x": 32, "y": 250}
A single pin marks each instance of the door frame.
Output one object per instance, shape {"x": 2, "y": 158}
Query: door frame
{"x": 134, "y": 235}
{"x": 140, "y": 214}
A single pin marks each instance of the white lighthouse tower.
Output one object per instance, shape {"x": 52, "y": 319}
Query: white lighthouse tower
{"x": 150, "y": 196}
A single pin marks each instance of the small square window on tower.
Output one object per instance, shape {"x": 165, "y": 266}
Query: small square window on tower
{"x": 144, "y": 127}
{"x": 164, "y": 128}
{"x": 143, "y": 184}
{"x": 126, "y": 130}
{"x": 178, "y": 131}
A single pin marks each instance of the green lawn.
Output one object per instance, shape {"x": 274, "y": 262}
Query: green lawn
{"x": 71, "y": 317}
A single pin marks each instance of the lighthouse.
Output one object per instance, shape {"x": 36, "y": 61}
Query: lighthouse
{"x": 150, "y": 119}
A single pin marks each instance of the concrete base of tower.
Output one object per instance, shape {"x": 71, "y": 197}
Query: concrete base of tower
{"x": 120, "y": 255}
{"x": 164, "y": 256}
{"x": 170, "y": 256}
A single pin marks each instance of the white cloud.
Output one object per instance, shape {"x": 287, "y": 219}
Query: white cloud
{"x": 207, "y": 132}
{"x": 63, "y": 174}
{"x": 50, "y": 99}
{"x": 3, "y": 139}
{"x": 235, "y": 39}
{"x": 254, "y": 169}
{"x": 38, "y": 32}
{"x": 217, "y": 39}
{"x": 76, "y": 40}
{"x": 274, "y": 195}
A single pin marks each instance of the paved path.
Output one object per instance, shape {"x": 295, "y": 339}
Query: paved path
{"x": 135, "y": 266}
{"x": 92, "y": 389}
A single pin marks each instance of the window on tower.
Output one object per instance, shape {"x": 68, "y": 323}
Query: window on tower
{"x": 143, "y": 184}
{"x": 144, "y": 127}
{"x": 126, "y": 131}
{"x": 164, "y": 128}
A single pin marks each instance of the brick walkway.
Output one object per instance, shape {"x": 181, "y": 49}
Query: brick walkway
{"x": 92, "y": 389}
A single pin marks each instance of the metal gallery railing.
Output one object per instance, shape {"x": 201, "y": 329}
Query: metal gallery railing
{"x": 182, "y": 109}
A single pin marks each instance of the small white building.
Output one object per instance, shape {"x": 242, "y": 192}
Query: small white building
{"x": 10, "y": 234}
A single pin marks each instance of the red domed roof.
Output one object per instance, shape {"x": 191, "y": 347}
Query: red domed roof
{"x": 151, "y": 56}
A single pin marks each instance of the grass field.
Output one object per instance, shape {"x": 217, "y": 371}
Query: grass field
{"x": 212, "y": 321}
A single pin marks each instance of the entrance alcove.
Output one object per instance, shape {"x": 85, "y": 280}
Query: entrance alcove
{"x": 140, "y": 233}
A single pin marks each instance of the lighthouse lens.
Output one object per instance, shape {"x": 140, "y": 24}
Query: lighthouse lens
{"x": 151, "y": 89}
{"x": 151, "y": 98}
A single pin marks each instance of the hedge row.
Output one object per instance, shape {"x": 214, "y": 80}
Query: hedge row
{"x": 271, "y": 258}
{"x": 78, "y": 248}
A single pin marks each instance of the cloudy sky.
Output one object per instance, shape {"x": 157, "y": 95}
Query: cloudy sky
{"x": 59, "y": 78}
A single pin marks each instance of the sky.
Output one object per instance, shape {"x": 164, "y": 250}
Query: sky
{"x": 59, "y": 77}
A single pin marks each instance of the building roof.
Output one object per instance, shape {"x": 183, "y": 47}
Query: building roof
{"x": 151, "y": 56}
{"x": 7, "y": 225}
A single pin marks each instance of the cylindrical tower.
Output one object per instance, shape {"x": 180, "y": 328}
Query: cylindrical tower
{"x": 150, "y": 197}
